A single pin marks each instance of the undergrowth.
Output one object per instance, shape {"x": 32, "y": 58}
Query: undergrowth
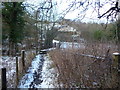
{"x": 80, "y": 71}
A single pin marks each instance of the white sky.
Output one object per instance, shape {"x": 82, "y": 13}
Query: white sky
{"x": 90, "y": 16}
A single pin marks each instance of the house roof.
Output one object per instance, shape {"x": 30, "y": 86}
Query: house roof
{"x": 67, "y": 29}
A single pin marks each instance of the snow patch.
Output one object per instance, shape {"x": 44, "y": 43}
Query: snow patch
{"x": 116, "y": 53}
{"x": 55, "y": 41}
{"x": 71, "y": 45}
{"x": 47, "y": 74}
{"x": 29, "y": 77}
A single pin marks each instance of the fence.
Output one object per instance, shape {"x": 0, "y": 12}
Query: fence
{"x": 115, "y": 69}
{"x": 83, "y": 71}
{"x": 21, "y": 66}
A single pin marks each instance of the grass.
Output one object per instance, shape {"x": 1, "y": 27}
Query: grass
{"x": 84, "y": 72}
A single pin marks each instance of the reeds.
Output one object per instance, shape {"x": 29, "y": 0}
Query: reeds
{"x": 80, "y": 71}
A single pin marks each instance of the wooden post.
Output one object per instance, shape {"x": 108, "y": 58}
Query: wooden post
{"x": 3, "y": 77}
{"x": 119, "y": 26}
{"x": 16, "y": 71}
{"x": 23, "y": 60}
{"x": 116, "y": 67}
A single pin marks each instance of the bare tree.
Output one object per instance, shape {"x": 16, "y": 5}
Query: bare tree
{"x": 95, "y": 5}
{"x": 105, "y": 9}
{"x": 44, "y": 17}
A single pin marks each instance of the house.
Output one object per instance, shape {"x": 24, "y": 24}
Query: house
{"x": 67, "y": 34}
{"x": 56, "y": 43}
{"x": 67, "y": 29}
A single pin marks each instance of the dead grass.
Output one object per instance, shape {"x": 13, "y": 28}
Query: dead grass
{"x": 84, "y": 72}
{"x": 29, "y": 56}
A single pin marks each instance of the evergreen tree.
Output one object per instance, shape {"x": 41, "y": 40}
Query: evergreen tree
{"x": 12, "y": 14}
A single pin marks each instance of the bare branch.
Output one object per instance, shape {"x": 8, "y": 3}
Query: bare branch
{"x": 111, "y": 11}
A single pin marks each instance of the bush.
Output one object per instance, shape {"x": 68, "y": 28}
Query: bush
{"x": 84, "y": 72}
{"x": 98, "y": 34}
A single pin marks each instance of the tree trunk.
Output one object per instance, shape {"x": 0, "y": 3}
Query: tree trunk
{"x": 11, "y": 48}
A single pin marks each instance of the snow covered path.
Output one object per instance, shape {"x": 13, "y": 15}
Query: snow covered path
{"x": 39, "y": 75}
{"x": 33, "y": 76}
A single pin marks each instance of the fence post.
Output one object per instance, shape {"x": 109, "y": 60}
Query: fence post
{"x": 3, "y": 77}
{"x": 23, "y": 60}
{"x": 116, "y": 66}
{"x": 16, "y": 71}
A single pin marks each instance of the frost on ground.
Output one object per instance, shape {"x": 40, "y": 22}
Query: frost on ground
{"x": 10, "y": 64}
{"x": 48, "y": 74}
{"x": 39, "y": 75}
{"x": 33, "y": 76}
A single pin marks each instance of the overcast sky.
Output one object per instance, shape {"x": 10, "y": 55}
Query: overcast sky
{"x": 90, "y": 16}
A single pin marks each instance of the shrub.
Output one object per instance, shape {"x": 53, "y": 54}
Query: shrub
{"x": 84, "y": 72}
{"x": 98, "y": 34}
